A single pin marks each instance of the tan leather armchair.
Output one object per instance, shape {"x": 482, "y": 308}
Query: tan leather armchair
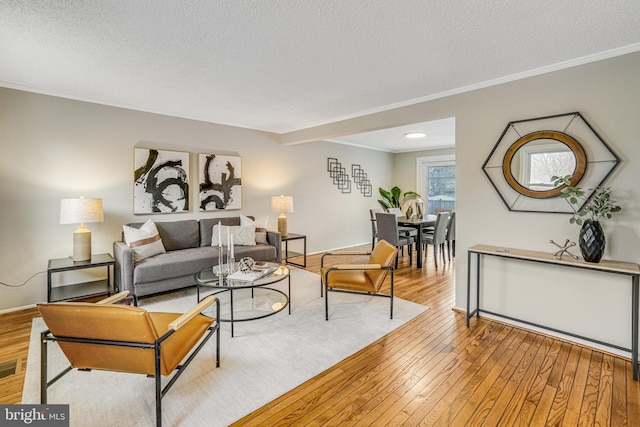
{"x": 115, "y": 337}
{"x": 365, "y": 278}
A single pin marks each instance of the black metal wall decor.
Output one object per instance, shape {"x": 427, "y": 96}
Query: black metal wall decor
{"x": 339, "y": 175}
{"x": 362, "y": 182}
{"x": 530, "y": 152}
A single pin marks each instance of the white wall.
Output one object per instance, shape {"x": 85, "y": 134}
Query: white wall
{"x": 607, "y": 93}
{"x": 52, "y": 148}
{"x": 405, "y": 167}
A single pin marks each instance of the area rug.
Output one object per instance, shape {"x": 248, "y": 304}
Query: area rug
{"x": 265, "y": 359}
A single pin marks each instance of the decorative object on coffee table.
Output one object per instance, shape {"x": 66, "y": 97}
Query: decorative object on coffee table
{"x": 599, "y": 205}
{"x": 246, "y": 264}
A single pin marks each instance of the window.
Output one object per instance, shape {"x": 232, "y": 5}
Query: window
{"x": 538, "y": 163}
{"x": 437, "y": 182}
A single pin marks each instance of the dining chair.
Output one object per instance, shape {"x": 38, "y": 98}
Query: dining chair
{"x": 451, "y": 235}
{"x": 388, "y": 230}
{"x": 436, "y": 211}
{"x": 374, "y": 226}
{"x": 437, "y": 238}
{"x": 403, "y": 231}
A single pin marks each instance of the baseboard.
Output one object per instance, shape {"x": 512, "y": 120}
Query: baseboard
{"x": 12, "y": 309}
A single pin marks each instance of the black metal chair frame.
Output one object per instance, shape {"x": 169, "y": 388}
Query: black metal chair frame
{"x": 345, "y": 291}
{"x": 159, "y": 391}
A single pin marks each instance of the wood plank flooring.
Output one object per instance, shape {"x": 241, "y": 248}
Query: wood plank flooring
{"x": 435, "y": 371}
{"x": 432, "y": 371}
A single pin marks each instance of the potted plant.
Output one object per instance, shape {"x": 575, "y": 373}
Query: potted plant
{"x": 599, "y": 206}
{"x": 391, "y": 199}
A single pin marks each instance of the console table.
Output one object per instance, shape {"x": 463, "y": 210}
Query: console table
{"x": 606, "y": 266}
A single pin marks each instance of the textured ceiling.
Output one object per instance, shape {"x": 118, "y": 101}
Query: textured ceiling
{"x": 283, "y": 65}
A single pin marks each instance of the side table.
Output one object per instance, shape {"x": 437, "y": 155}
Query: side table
{"x": 289, "y": 254}
{"x": 82, "y": 289}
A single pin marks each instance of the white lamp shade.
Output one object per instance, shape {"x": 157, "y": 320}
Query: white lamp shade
{"x": 80, "y": 210}
{"x": 282, "y": 204}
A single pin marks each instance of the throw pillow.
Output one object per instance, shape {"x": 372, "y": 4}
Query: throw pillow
{"x": 144, "y": 241}
{"x": 242, "y": 236}
{"x": 260, "y": 225}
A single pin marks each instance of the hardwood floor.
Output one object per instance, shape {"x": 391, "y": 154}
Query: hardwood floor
{"x": 433, "y": 371}
{"x": 15, "y": 328}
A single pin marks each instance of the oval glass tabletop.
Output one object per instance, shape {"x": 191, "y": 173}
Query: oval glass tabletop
{"x": 250, "y": 304}
{"x": 248, "y": 299}
{"x": 210, "y": 277}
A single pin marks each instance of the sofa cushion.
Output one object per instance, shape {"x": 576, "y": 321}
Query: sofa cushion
{"x": 176, "y": 235}
{"x": 260, "y": 225}
{"x": 206, "y": 227}
{"x": 242, "y": 236}
{"x": 179, "y": 234}
{"x": 144, "y": 241}
{"x": 188, "y": 262}
{"x": 174, "y": 264}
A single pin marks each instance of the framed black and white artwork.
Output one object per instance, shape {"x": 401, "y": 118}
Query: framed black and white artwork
{"x": 220, "y": 182}
{"x": 160, "y": 181}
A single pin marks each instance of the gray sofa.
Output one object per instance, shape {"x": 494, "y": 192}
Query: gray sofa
{"x": 189, "y": 250}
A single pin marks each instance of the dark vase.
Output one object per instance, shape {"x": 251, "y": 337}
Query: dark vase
{"x": 592, "y": 241}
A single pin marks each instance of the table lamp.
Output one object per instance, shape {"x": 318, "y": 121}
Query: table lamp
{"x": 81, "y": 210}
{"x": 282, "y": 204}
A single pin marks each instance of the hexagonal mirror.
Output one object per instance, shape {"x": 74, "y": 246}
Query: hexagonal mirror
{"x": 530, "y": 152}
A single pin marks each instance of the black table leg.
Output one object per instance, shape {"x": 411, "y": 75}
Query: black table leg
{"x": 634, "y": 324}
{"x": 419, "y": 244}
{"x": 231, "y": 300}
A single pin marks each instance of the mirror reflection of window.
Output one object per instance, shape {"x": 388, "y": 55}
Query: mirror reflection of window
{"x": 539, "y": 160}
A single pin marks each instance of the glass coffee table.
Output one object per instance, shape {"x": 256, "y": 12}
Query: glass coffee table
{"x": 242, "y": 300}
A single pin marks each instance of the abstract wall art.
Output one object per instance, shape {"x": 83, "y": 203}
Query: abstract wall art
{"x": 161, "y": 181}
{"x": 220, "y": 182}
{"x": 339, "y": 175}
{"x": 361, "y": 180}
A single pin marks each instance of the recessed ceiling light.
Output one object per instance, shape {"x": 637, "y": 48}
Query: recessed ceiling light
{"x": 415, "y": 135}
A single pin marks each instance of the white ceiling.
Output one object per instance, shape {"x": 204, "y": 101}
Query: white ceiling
{"x": 439, "y": 134}
{"x": 286, "y": 65}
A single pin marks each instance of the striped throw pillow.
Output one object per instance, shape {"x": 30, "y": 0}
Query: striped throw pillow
{"x": 144, "y": 241}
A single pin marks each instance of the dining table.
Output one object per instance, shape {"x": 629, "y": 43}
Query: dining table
{"x": 419, "y": 224}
